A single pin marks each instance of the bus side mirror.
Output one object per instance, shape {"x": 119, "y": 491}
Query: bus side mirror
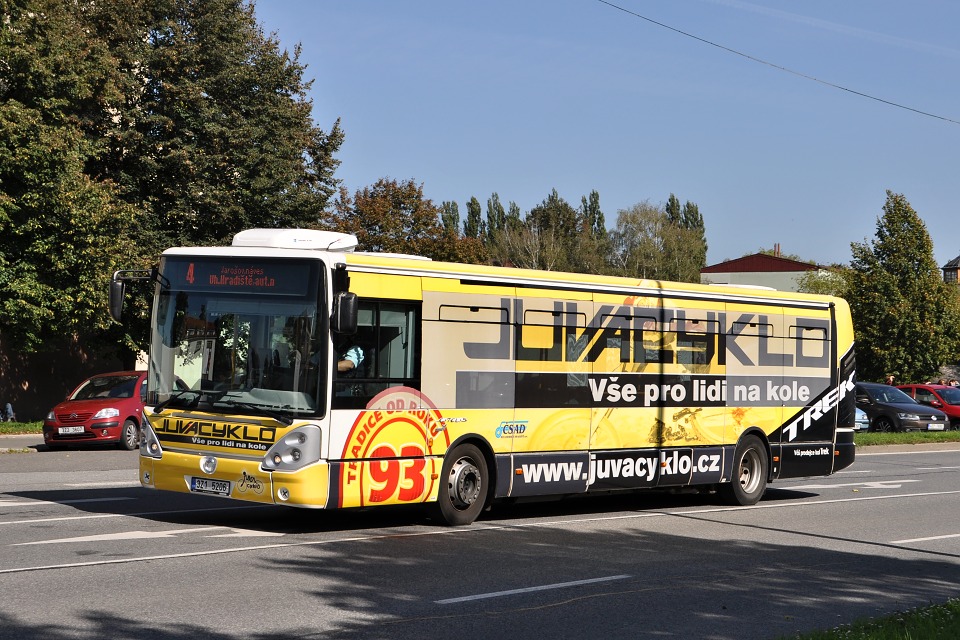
{"x": 344, "y": 317}
{"x": 117, "y": 290}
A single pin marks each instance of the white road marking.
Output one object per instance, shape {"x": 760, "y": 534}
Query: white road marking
{"x": 27, "y": 503}
{"x": 121, "y": 535}
{"x": 169, "y": 533}
{"x": 905, "y": 453}
{"x": 882, "y": 484}
{"x": 122, "y": 483}
{"x": 545, "y": 587}
{"x": 248, "y": 533}
{"x": 950, "y": 535}
{"x": 98, "y": 516}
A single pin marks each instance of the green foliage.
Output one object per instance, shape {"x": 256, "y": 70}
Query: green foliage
{"x": 834, "y": 281}
{"x": 934, "y": 622}
{"x": 905, "y": 317}
{"x": 663, "y": 243}
{"x": 450, "y": 216}
{"x": 62, "y": 232}
{"x": 496, "y": 215}
{"x": 128, "y": 126}
{"x": 220, "y": 137}
{"x": 473, "y": 225}
{"x": 394, "y": 217}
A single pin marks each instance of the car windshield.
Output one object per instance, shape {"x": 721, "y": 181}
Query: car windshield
{"x": 889, "y": 395}
{"x": 950, "y": 395}
{"x": 107, "y": 387}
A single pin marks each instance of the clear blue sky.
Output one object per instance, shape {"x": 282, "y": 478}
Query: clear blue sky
{"x": 522, "y": 96}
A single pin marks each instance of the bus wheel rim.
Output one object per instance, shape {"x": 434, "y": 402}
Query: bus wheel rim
{"x": 464, "y": 483}
{"x": 750, "y": 471}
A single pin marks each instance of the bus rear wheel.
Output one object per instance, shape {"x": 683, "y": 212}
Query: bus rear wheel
{"x": 749, "y": 480}
{"x": 463, "y": 485}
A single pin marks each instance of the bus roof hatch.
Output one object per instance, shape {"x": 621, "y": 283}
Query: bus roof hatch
{"x": 295, "y": 239}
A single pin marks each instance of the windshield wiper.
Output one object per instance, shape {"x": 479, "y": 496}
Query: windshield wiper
{"x": 257, "y": 409}
{"x": 177, "y": 395}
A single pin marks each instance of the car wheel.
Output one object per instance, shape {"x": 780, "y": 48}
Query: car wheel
{"x": 883, "y": 425}
{"x": 749, "y": 480}
{"x": 463, "y": 485}
{"x": 130, "y": 436}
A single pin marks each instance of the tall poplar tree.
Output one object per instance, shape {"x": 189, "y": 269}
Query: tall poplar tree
{"x": 473, "y": 225}
{"x": 906, "y": 319}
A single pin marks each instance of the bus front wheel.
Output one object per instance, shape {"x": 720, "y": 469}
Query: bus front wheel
{"x": 749, "y": 480}
{"x": 463, "y": 485}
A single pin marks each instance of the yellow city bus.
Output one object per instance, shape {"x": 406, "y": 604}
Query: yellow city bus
{"x": 468, "y": 384}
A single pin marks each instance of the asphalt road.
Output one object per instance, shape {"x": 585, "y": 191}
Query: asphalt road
{"x": 86, "y": 553}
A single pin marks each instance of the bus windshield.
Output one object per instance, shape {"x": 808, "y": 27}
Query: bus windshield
{"x": 244, "y": 335}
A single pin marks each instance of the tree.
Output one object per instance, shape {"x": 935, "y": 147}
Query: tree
{"x": 834, "y": 281}
{"x": 638, "y": 241}
{"x": 473, "y": 225}
{"x": 216, "y": 135}
{"x": 905, "y": 317}
{"x": 652, "y": 242}
{"x": 593, "y": 250}
{"x": 496, "y": 215}
{"x": 395, "y": 217}
{"x": 684, "y": 241}
{"x": 61, "y": 232}
{"x": 558, "y": 224}
{"x": 450, "y": 216}
{"x": 179, "y": 112}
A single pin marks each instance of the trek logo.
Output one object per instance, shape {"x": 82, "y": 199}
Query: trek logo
{"x": 818, "y": 409}
{"x": 216, "y": 430}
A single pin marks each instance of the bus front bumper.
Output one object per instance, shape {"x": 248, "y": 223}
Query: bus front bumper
{"x": 241, "y": 479}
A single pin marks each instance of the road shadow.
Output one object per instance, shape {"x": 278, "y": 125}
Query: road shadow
{"x": 721, "y": 584}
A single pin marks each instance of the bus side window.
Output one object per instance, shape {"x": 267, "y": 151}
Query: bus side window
{"x": 388, "y": 337}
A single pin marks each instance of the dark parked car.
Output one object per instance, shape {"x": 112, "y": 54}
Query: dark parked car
{"x": 938, "y": 396}
{"x": 104, "y": 408}
{"x": 890, "y": 409}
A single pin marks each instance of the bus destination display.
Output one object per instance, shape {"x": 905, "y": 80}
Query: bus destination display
{"x": 277, "y": 277}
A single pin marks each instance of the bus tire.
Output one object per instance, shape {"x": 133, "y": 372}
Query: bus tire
{"x": 129, "y": 436}
{"x": 749, "y": 478}
{"x": 464, "y": 484}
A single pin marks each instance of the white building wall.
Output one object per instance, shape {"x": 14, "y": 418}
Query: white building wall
{"x": 780, "y": 280}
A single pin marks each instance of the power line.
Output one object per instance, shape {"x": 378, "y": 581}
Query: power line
{"x": 777, "y": 66}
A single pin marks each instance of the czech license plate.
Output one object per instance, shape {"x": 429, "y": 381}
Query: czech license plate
{"x": 935, "y": 426}
{"x": 65, "y": 430}
{"x": 208, "y": 485}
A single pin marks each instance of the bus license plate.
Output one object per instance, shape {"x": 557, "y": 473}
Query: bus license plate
{"x": 207, "y": 485}
{"x": 66, "y": 430}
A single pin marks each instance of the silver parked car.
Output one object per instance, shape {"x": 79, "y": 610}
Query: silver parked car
{"x": 861, "y": 422}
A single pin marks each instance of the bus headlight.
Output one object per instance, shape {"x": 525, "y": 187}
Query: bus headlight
{"x": 295, "y": 450}
{"x": 149, "y": 444}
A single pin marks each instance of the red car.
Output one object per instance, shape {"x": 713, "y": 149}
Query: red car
{"x": 105, "y": 408}
{"x": 940, "y": 396}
